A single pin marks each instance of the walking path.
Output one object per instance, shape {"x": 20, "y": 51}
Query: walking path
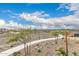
{"x": 20, "y": 47}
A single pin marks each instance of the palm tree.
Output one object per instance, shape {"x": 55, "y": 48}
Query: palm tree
{"x": 21, "y": 37}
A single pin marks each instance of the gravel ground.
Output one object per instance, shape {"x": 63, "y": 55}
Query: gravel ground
{"x": 49, "y": 48}
{"x": 34, "y": 36}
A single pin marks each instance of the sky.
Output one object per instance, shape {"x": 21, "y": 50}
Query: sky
{"x": 40, "y": 15}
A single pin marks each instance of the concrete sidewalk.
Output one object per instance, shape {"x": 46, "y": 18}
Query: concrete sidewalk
{"x": 20, "y": 47}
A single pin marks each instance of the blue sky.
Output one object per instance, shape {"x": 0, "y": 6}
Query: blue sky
{"x": 24, "y": 13}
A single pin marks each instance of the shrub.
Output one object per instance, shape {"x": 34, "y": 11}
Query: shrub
{"x": 61, "y": 51}
{"x": 16, "y": 54}
{"x": 39, "y": 50}
{"x": 75, "y": 53}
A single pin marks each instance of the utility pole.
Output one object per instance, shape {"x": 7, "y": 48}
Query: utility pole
{"x": 66, "y": 42}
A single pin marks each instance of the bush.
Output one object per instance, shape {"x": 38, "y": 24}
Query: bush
{"x": 75, "y": 53}
{"x": 39, "y": 50}
{"x": 16, "y": 54}
{"x": 61, "y": 51}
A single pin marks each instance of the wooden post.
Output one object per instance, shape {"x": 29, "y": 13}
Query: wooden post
{"x": 66, "y": 42}
{"x": 30, "y": 41}
{"x": 25, "y": 49}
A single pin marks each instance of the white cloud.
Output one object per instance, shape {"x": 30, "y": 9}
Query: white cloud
{"x": 14, "y": 25}
{"x": 69, "y": 6}
{"x": 62, "y": 6}
{"x": 40, "y": 14}
{"x": 10, "y": 24}
{"x": 70, "y": 21}
{"x": 73, "y": 7}
{"x": 36, "y": 17}
{"x": 2, "y": 22}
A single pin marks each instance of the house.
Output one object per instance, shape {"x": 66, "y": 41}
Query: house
{"x": 74, "y": 34}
